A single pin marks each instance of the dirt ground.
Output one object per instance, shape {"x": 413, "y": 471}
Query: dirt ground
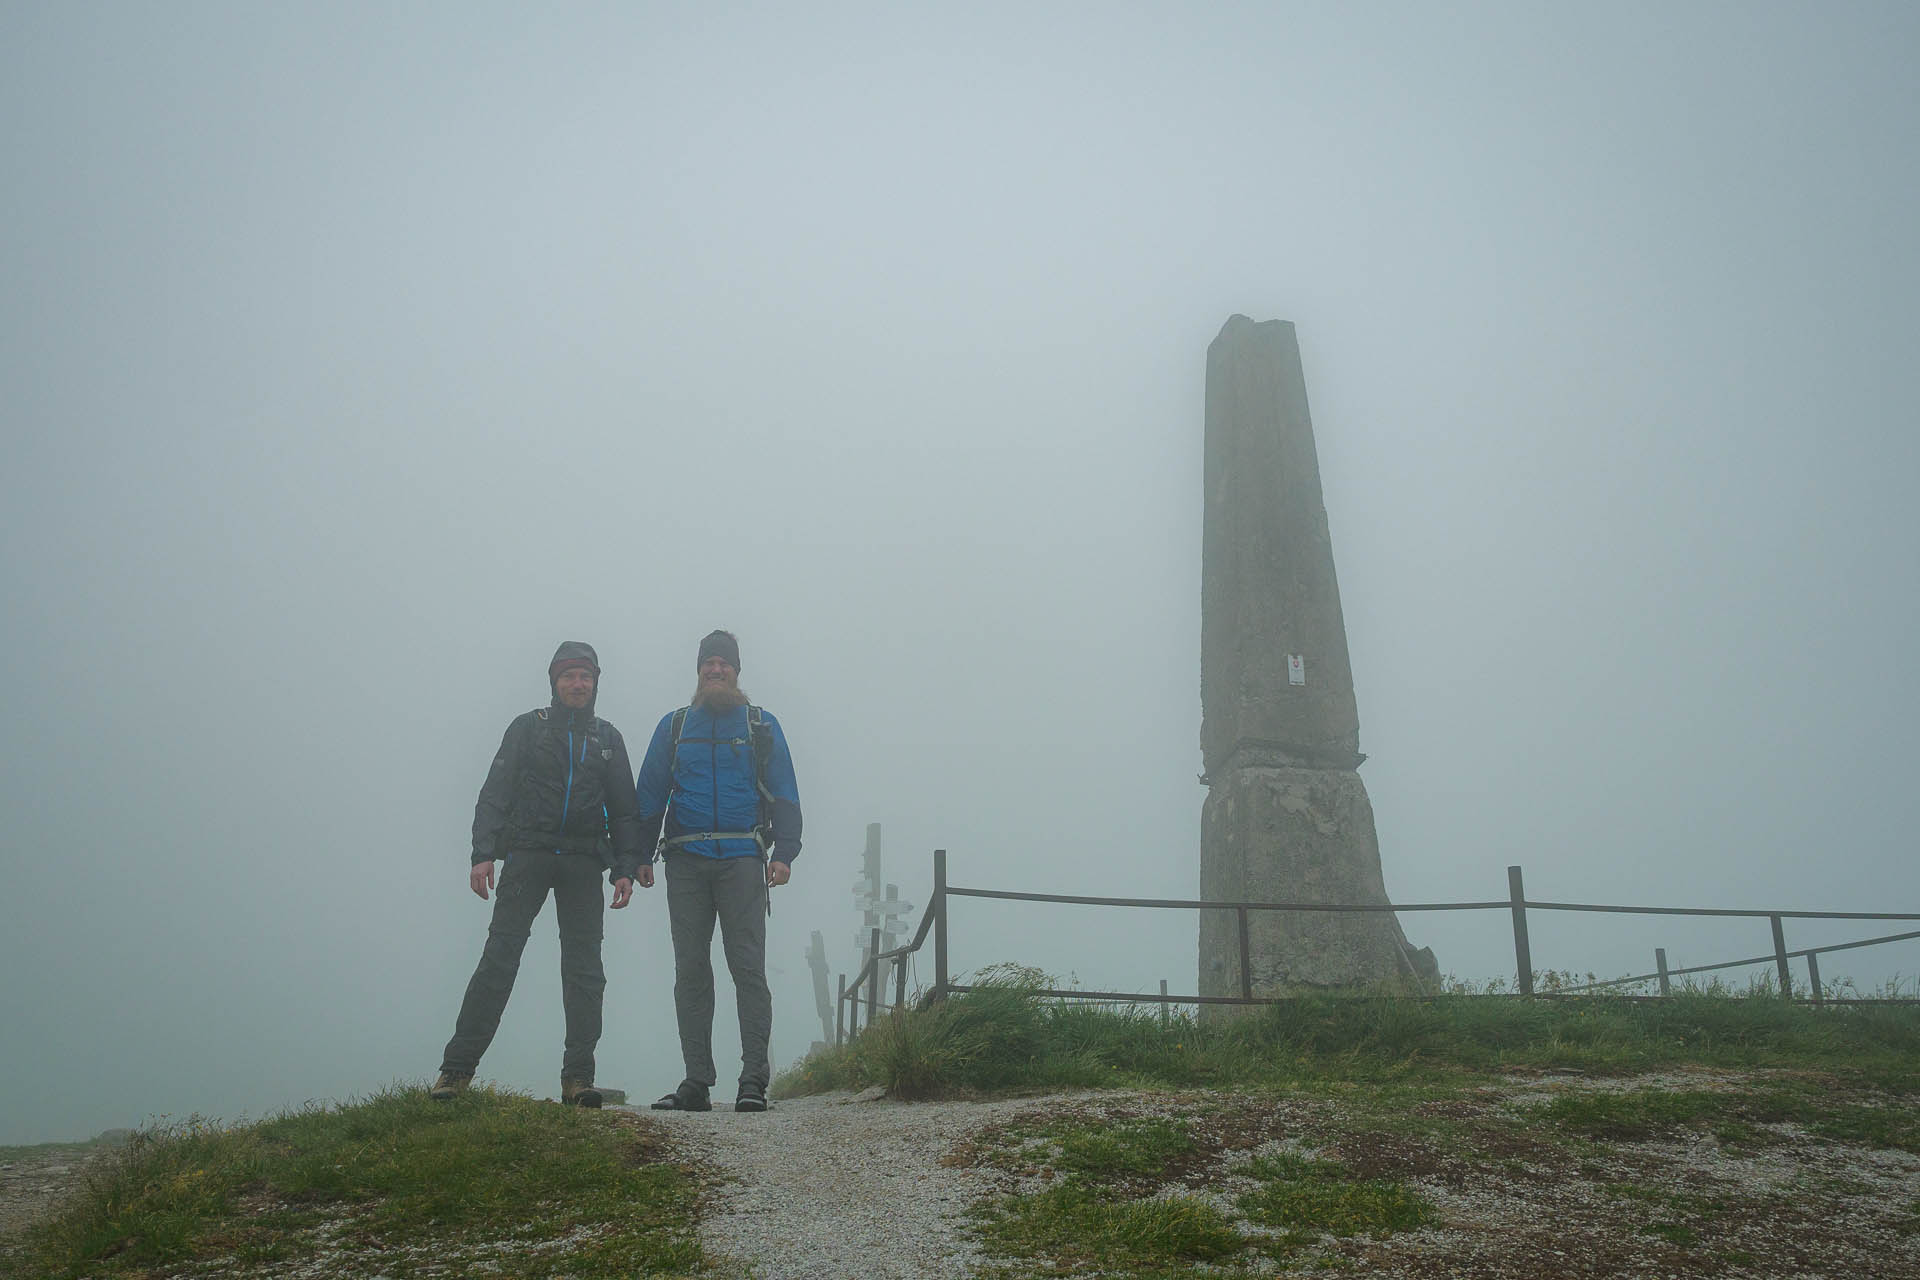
{"x": 1513, "y": 1202}
{"x": 34, "y": 1183}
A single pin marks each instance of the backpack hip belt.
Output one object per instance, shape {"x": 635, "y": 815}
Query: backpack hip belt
{"x": 758, "y": 837}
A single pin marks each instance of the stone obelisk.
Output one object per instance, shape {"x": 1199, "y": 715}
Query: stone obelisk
{"x": 1286, "y": 817}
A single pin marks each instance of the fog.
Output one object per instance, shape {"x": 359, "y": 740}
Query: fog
{"x": 353, "y": 356}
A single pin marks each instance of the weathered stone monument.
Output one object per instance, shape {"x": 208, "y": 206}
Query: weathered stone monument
{"x": 1286, "y": 817}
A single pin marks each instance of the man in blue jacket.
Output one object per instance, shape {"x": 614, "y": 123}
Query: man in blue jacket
{"x": 720, "y": 777}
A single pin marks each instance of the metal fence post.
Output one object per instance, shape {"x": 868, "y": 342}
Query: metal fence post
{"x": 939, "y": 924}
{"x": 1522, "y": 950}
{"x": 1813, "y": 977}
{"x": 1780, "y": 958}
{"x": 1660, "y": 963}
{"x": 1166, "y": 1010}
{"x": 840, "y": 1013}
{"x": 899, "y": 984}
{"x": 1246, "y": 956}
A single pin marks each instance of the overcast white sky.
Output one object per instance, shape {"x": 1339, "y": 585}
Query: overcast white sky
{"x": 353, "y": 355}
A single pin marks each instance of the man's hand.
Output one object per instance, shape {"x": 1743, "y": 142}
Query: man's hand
{"x": 777, "y": 873}
{"x": 622, "y": 892}
{"x": 645, "y": 875}
{"x": 481, "y": 878}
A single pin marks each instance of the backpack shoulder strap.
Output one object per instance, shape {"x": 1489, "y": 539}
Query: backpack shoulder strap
{"x": 674, "y": 730}
{"x": 675, "y": 727}
{"x": 760, "y": 742}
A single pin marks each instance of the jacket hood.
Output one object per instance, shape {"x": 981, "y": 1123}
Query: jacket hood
{"x": 573, "y": 653}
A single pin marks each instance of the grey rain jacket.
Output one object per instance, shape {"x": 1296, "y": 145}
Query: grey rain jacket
{"x": 561, "y": 781}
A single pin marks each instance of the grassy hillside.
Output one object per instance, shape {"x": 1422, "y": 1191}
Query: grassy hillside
{"x": 1002, "y": 1036}
{"x": 395, "y": 1185}
{"x": 1701, "y": 1135}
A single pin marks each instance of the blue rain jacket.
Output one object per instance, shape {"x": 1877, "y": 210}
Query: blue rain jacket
{"x": 709, "y": 785}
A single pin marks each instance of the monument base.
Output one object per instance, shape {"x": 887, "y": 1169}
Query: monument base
{"x": 1290, "y": 834}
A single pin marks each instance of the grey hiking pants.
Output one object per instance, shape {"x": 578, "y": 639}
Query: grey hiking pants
{"x": 733, "y": 891}
{"x": 578, "y": 900}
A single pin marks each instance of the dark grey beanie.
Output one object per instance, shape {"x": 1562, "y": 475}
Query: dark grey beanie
{"x": 719, "y": 644}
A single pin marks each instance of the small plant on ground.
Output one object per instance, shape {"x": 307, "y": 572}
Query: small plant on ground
{"x": 1677, "y": 1218}
{"x": 1073, "y": 1230}
{"x": 1093, "y": 1150}
{"x": 1122, "y": 1152}
{"x": 1305, "y": 1194}
{"x": 1733, "y": 1115}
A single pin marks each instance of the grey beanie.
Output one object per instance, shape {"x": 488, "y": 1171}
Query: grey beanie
{"x": 719, "y": 644}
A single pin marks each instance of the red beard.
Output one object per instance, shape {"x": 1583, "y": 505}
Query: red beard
{"x": 718, "y": 697}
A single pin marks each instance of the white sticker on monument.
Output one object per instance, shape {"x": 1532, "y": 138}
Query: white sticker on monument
{"x": 1296, "y": 669}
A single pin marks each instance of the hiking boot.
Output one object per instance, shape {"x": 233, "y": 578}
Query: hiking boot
{"x": 450, "y": 1085}
{"x": 752, "y": 1098}
{"x": 580, "y": 1093}
{"x": 688, "y": 1097}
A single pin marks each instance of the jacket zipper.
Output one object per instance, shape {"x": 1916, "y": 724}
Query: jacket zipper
{"x": 566, "y": 801}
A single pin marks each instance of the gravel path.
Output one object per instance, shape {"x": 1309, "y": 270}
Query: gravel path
{"x": 839, "y": 1185}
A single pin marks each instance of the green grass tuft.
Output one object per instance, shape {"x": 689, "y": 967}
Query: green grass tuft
{"x": 1071, "y": 1230}
{"x": 1302, "y": 1194}
{"x": 1636, "y": 1116}
{"x": 1107, "y": 1154}
{"x": 1095, "y": 1152}
{"x": 1733, "y": 1114}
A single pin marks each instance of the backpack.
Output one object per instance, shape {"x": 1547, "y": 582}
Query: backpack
{"x": 760, "y": 746}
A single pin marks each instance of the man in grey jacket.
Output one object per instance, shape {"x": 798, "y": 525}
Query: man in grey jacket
{"x": 556, "y": 810}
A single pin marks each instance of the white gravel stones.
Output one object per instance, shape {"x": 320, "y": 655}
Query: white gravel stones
{"x": 840, "y": 1185}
